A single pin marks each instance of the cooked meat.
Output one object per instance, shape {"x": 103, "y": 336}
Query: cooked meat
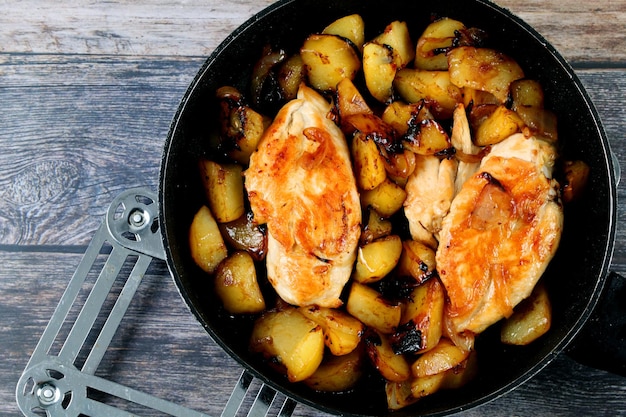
{"x": 462, "y": 141}
{"x": 503, "y": 229}
{"x": 429, "y": 189}
{"x": 300, "y": 182}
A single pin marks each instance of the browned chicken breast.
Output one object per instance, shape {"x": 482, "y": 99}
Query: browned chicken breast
{"x": 430, "y": 190}
{"x": 300, "y": 182}
{"x": 502, "y": 230}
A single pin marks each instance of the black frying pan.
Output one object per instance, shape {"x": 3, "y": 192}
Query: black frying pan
{"x": 575, "y": 277}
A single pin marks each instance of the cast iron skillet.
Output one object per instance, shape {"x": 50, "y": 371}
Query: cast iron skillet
{"x": 575, "y": 277}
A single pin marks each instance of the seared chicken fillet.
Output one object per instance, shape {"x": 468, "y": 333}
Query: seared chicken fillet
{"x": 300, "y": 182}
{"x": 502, "y": 231}
{"x": 429, "y": 193}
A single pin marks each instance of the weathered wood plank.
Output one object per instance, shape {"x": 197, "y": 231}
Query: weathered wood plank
{"x": 582, "y": 31}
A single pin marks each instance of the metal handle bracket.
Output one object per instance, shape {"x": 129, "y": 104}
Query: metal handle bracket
{"x": 59, "y": 378}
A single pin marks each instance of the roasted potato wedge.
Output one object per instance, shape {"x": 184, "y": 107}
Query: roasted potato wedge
{"x": 539, "y": 122}
{"x": 392, "y": 367}
{"x": 351, "y": 27}
{"x": 461, "y": 374}
{"x": 498, "y": 126}
{"x": 377, "y": 259}
{"x": 223, "y": 185}
{"x": 576, "y": 178}
{"x": 531, "y": 319}
{"x": 400, "y": 115}
{"x": 427, "y": 385}
{"x": 376, "y": 228}
{"x": 291, "y": 74}
{"x": 397, "y": 36}
{"x": 337, "y": 373}
{"x": 429, "y": 139}
{"x": 400, "y": 166}
{"x": 379, "y": 70}
{"x": 444, "y": 356}
{"x": 369, "y": 166}
{"x": 422, "y": 319}
{"x": 205, "y": 241}
{"x": 417, "y": 260}
{"x": 237, "y": 286}
{"x": 483, "y": 69}
{"x": 369, "y": 306}
{"x": 241, "y": 127}
{"x": 526, "y": 93}
{"x": 387, "y": 198}
{"x": 342, "y": 332}
{"x": 349, "y": 100}
{"x": 294, "y": 343}
{"x": 437, "y": 38}
{"x": 328, "y": 60}
{"x": 434, "y": 87}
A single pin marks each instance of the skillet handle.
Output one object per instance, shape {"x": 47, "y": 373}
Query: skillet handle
{"x": 602, "y": 341}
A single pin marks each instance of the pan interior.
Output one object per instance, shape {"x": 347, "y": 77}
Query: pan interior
{"x": 574, "y": 278}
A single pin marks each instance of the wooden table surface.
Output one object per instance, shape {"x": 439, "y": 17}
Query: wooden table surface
{"x": 88, "y": 90}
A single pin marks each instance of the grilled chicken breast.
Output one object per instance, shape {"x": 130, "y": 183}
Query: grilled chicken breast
{"x": 502, "y": 230}
{"x": 300, "y": 182}
{"x": 429, "y": 193}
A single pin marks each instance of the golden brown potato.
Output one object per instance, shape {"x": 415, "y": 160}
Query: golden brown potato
{"x": 349, "y": 100}
{"x": 376, "y": 228}
{"x": 424, "y": 313}
{"x": 379, "y": 70}
{"x": 576, "y": 178}
{"x": 445, "y": 355}
{"x": 337, "y": 373}
{"x": 427, "y": 385}
{"x": 342, "y": 332}
{"x": 223, "y": 185}
{"x": 369, "y": 166}
{"x": 392, "y": 367}
{"x": 498, "y": 126}
{"x": 417, "y": 260}
{"x": 386, "y": 199}
{"x": 436, "y": 39}
{"x": 430, "y": 139}
{"x": 531, "y": 319}
{"x": 376, "y": 259}
{"x": 291, "y": 341}
{"x": 241, "y": 127}
{"x": 400, "y": 115}
{"x": 539, "y": 122}
{"x": 483, "y": 69}
{"x": 461, "y": 374}
{"x": 396, "y": 35}
{"x": 351, "y": 27}
{"x": 205, "y": 241}
{"x": 328, "y": 60}
{"x": 369, "y": 306}
{"x": 434, "y": 87}
{"x": 400, "y": 166}
{"x": 237, "y": 286}
{"x": 245, "y": 234}
{"x": 291, "y": 74}
{"x": 526, "y": 93}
